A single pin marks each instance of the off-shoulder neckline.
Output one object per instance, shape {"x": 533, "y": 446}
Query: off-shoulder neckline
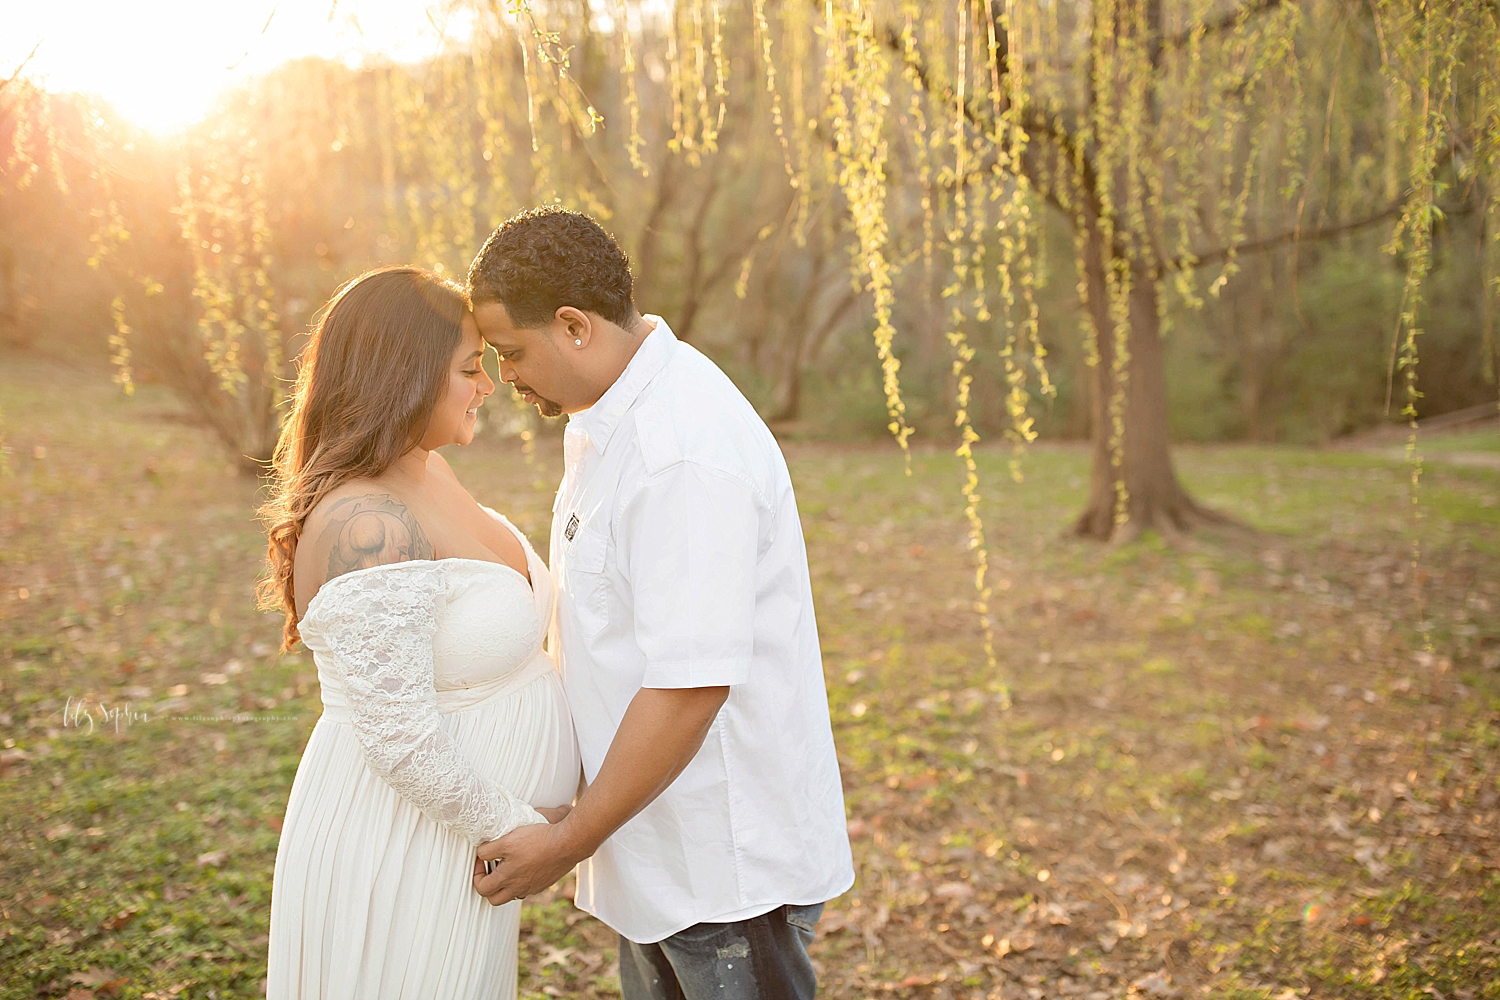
{"x": 526, "y": 551}
{"x": 414, "y": 563}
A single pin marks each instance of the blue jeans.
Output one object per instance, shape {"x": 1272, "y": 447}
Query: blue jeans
{"x": 763, "y": 958}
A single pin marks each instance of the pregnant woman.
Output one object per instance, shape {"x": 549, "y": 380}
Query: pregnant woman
{"x": 444, "y": 722}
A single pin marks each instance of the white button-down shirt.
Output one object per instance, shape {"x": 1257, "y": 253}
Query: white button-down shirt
{"x": 680, "y": 563}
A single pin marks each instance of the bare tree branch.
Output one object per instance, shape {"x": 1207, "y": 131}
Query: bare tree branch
{"x": 1294, "y": 235}
{"x": 16, "y": 76}
{"x": 1297, "y": 234}
{"x": 1222, "y": 254}
{"x": 1228, "y": 20}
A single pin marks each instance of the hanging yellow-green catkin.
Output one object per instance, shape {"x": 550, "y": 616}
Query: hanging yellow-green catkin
{"x": 811, "y": 153}
{"x": 1016, "y": 268}
{"x": 857, "y": 103}
{"x": 721, "y": 77}
{"x": 1484, "y": 39}
{"x": 676, "y": 72}
{"x": 632, "y": 96}
{"x": 966, "y": 240}
{"x": 19, "y": 156}
{"x": 105, "y": 244}
{"x": 1420, "y": 66}
{"x": 119, "y": 346}
{"x": 921, "y": 140}
{"x": 1104, "y": 126}
{"x": 768, "y": 66}
{"x": 224, "y": 225}
{"x": 216, "y": 326}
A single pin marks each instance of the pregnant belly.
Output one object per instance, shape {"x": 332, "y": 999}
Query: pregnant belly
{"x": 523, "y": 741}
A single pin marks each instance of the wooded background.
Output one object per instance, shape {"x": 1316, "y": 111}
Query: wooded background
{"x": 1136, "y": 221}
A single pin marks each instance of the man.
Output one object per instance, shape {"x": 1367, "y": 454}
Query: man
{"x": 711, "y": 829}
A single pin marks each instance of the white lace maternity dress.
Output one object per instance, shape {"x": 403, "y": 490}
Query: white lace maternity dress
{"x": 443, "y": 724}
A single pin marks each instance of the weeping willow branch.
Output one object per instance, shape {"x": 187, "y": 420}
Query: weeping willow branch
{"x": 1226, "y": 22}
{"x": 1053, "y": 127}
{"x": 1298, "y": 236}
{"x": 223, "y": 217}
{"x": 1159, "y": 42}
{"x": 857, "y": 99}
{"x": 1033, "y": 120}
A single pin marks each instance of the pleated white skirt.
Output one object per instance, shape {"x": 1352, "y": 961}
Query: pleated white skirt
{"x": 373, "y": 900}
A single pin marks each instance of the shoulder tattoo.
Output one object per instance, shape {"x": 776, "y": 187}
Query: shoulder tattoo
{"x": 373, "y": 530}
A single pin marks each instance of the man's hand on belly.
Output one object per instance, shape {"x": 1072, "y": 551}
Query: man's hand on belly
{"x": 660, "y": 733}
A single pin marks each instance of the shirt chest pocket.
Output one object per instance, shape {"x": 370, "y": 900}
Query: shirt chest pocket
{"x": 587, "y": 588}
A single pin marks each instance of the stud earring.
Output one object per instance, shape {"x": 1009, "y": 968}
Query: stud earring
{"x": 578, "y": 342}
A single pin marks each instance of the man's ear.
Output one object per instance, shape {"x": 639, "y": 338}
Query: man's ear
{"x": 577, "y": 326}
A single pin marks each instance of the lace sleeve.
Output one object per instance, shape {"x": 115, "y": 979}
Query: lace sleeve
{"x": 378, "y": 627}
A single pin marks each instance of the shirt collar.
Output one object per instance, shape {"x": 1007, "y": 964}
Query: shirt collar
{"x": 600, "y": 420}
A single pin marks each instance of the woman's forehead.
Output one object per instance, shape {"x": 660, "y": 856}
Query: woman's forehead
{"x": 472, "y": 339}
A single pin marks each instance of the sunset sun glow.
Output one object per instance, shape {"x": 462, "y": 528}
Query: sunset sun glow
{"x": 161, "y": 63}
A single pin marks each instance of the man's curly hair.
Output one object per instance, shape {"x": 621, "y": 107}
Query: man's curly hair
{"x": 546, "y": 258}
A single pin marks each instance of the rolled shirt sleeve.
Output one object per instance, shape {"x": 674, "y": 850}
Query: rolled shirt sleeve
{"x": 689, "y": 539}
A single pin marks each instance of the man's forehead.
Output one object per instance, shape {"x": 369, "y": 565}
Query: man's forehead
{"x": 494, "y": 323}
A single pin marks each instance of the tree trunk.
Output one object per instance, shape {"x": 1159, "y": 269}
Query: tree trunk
{"x": 1155, "y": 497}
{"x": 10, "y": 299}
{"x": 648, "y": 246}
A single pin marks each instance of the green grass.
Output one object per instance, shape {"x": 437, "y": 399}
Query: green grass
{"x": 1480, "y": 439}
{"x": 1229, "y": 767}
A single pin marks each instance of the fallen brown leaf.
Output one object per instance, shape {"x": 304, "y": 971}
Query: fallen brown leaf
{"x": 119, "y": 920}
{"x": 93, "y": 977}
{"x": 169, "y": 993}
{"x": 956, "y": 891}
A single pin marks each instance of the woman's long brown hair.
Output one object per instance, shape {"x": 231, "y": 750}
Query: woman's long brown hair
{"x": 367, "y": 382}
